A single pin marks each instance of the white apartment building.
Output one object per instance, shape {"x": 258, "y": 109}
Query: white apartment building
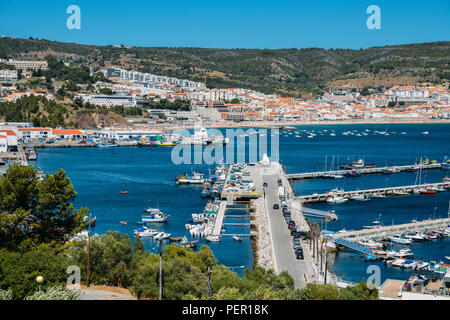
{"x": 408, "y": 94}
{"x": 8, "y": 75}
{"x": 3, "y": 143}
{"x": 109, "y": 101}
{"x": 26, "y": 65}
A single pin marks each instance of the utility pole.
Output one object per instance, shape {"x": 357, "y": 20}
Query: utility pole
{"x": 209, "y": 283}
{"x": 89, "y": 252}
{"x": 160, "y": 271}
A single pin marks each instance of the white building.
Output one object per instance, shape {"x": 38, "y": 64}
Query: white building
{"x": 8, "y": 75}
{"x": 26, "y": 134}
{"x": 3, "y": 143}
{"x": 109, "y": 101}
{"x": 26, "y": 65}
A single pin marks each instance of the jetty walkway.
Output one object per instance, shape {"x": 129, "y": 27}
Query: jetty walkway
{"x": 361, "y": 171}
{"x": 331, "y": 215}
{"x": 218, "y": 222}
{"x": 383, "y": 191}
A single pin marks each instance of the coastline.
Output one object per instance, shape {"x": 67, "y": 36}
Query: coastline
{"x": 272, "y": 124}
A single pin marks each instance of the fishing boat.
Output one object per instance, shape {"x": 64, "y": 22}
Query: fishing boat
{"x": 196, "y": 178}
{"x": 427, "y": 191}
{"x": 123, "y": 222}
{"x": 446, "y": 179}
{"x": 168, "y": 144}
{"x": 358, "y": 164}
{"x": 155, "y": 215}
{"x": 123, "y": 192}
{"x": 176, "y": 239}
{"x": 399, "y": 239}
{"x": 186, "y": 243}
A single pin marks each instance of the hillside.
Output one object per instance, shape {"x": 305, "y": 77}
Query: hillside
{"x": 285, "y": 71}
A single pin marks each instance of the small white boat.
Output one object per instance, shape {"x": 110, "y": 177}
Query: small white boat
{"x": 399, "y": 239}
{"x": 237, "y": 238}
{"x": 162, "y": 236}
{"x": 336, "y": 199}
{"x": 447, "y": 257}
{"x": 145, "y": 232}
{"x": 211, "y": 238}
{"x": 359, "y": 197}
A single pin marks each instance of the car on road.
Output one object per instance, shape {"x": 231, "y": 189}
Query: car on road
{"x": 265, "y": 184}
{"x": 276, "y": 206}
{"x": 299, "y": 254}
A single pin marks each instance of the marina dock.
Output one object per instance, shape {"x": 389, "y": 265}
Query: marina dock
{"x": 362, "y": 171}
{"x": 385, "y": 232}
{"x": 384, "y": 191}
{"x": 218, "y": 222}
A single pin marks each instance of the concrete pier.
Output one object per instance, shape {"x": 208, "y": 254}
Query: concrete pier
{"x": 362, "y": 171}
{"x": 390, "y": 191}
{"x": 388, "y": 231}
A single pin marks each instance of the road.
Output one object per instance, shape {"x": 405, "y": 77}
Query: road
{"x": 283, "y": 251}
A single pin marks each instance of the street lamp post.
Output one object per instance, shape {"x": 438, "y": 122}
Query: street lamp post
{"x": 39, "y": 280}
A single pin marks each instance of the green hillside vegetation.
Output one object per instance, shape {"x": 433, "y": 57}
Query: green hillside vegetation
{"x": 284, "y": 71}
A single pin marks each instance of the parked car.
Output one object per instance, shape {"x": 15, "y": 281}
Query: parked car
{"x": 265, "y": 184}
{"x": 276, "y": 206}
{"x": 299, "y": 254}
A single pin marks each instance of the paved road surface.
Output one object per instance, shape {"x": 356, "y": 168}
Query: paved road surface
{"x": 93, "y": 294}
{"x": 285, "y": 259}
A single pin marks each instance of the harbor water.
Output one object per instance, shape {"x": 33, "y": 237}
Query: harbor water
{"x": 99, "y": 174}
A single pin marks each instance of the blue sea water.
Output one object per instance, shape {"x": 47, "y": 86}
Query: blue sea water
{"x": 99, "y": 174}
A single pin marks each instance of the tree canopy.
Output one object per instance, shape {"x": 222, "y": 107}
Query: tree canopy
{"x": 37, "y": 211}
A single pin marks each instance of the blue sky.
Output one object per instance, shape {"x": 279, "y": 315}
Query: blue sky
{"x": 229, "y": 23}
